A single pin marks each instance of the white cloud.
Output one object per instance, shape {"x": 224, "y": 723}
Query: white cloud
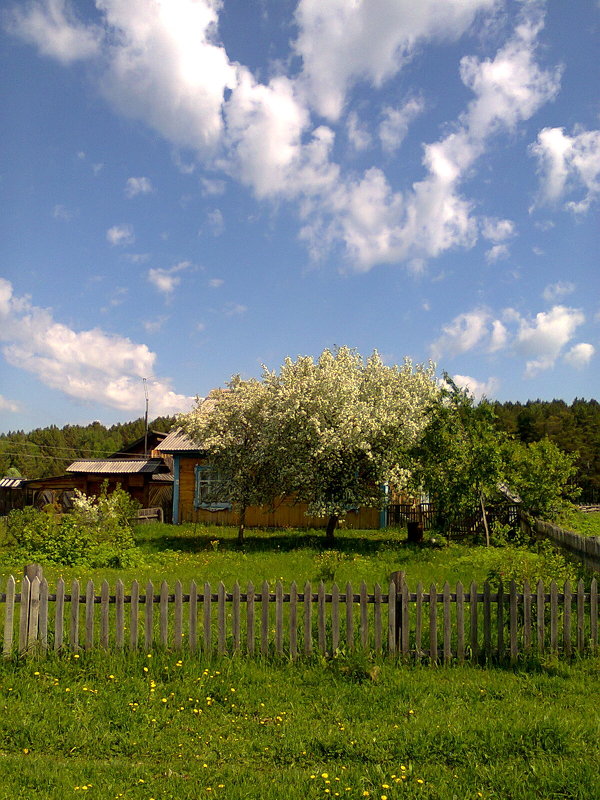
{"x": 91, "y": 366}
{"x": 396, "y": 121}
{"x": 580, "y": 355}
{"x": 478, "y": 389}
{"x": 358, "y": 135}
{"x": 137, "y": 258}
{"x": 342, "y": 42}
{"x": 7, "y": 405}
{"x": 166, "y": 280}
{"x": 496, "y": 253}
{"x": 554, "y": 291}
{"x": 497, "y": 230}
{"x": 215, "y": 221}
{"x": 120, "y": 235}
{"x": 135, "y": 186}
{"x": 51, "y": 25}
{"x": 234, "y": 309}
{"x": 216, "y": 283}
{"x": 543, "y": 338}
{"x": 154, "y": 325}
{"x": 463, "y": 333}
{"x": 568, "y": 163}
{"x": 212, "y": 186}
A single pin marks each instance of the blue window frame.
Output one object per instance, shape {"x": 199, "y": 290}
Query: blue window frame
{"x": 207, "y": 489}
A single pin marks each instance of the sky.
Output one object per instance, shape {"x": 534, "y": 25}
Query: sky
{"x": 192, "y": 189}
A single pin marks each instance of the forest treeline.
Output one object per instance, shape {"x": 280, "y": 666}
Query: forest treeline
{"x": 46, "y": 452}
{"x": 574, "y": 427}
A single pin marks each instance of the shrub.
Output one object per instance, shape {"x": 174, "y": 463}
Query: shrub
{"x": 97, "y": 533}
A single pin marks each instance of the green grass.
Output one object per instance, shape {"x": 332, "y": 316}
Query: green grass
{"x": 140, "y": 728}
{"x": 212, "y": 554}
{"x": 588, "y": 524}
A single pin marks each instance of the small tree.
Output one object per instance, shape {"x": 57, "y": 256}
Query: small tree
{"x": 230, "y": 426}
{"x": 458, "y": 459}
{"x": 340, "y": 427}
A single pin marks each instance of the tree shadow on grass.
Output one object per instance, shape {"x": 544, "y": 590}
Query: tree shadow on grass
{"x": 363, "y": 543}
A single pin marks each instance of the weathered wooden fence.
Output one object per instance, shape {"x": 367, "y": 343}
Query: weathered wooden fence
{"x": 587, "y": 548}
{"x": 459, "y": 624}
{"x": 426, "y": 514}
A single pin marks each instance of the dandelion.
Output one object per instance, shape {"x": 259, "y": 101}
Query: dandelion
{"x": 324, "y": 775}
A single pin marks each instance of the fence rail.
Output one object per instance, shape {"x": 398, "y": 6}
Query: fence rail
{"x": 434, "y": 625}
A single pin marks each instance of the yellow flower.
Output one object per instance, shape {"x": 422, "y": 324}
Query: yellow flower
{"x": 324, "y": 775}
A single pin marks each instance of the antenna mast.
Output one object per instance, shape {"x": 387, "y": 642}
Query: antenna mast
{"x": 146, "y": 419}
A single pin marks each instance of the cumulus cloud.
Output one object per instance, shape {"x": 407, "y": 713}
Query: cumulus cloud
{"x": 567, "y": 164}
{"x": 358, "y": 134}
{"x": 7, "y": 405}
{"x": 120, "y": 235}
{"x": 497, "y": 230}
{"x": 86, "y": 365}
{"x": 554, "y": 291}
{"x": 539, "y": 339}
{"x": 166, "y": 280}
{"x": 478, "y": 389}
{"x": 52, "y": 26}
{"x": 396, "y": 121}
{"x": 135, "y": 186}
{"x": 216, "y": 222}
{"x": 580, "y": 355}
{"x": 496, "y": 253}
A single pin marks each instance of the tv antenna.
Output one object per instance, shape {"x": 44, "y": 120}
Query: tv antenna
{"x": 146, "y": 418}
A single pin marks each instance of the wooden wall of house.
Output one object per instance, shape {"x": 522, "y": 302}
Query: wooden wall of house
{"x": 287, "y": 514}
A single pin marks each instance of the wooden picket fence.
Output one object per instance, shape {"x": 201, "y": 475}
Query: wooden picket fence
{"x": 435, "y": 626}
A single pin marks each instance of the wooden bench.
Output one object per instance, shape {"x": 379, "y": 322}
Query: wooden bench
{"x": 149, "y": 514}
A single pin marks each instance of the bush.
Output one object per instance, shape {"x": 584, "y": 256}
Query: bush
{"x": 97, "y": 533}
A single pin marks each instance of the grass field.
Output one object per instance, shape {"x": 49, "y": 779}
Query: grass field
{"x": 141, "y": 726}
{"x": 587, "y": 524}
{"x": 136, "y": 727}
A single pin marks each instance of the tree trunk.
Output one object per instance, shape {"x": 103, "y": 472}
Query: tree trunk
{"x": 242, "y": 524}
{"x": 485, "y": 525}
{"x": 331, "y": 526}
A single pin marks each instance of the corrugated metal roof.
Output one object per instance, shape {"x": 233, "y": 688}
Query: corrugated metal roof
{"x": 11, "y": 483}
{"x": 176, "y": 442}
{"x": 112, "y": 466}
{"x": 163, "y": 477}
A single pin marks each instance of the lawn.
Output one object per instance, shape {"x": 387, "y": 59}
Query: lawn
{"x": 136, "y": 727}
{"x": 586, "y": 523}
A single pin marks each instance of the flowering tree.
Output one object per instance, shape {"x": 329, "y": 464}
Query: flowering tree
{"x": 230, "y": 426}
{"x": 340, "y": 427}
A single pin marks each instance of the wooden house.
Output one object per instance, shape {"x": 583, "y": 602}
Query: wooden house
{"x": 191, "y": 477}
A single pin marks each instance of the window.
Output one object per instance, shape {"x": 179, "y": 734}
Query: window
{"x": 206, "y": 493}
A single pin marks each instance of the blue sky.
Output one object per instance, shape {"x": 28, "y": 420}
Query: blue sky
{"x": 193, "y": 188}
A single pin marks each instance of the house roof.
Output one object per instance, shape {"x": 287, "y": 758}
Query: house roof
{"x": 154, "y": 438}
{"x": 177, "y": 442}
{"x": 113, "y": 466}
{"x": 11, "y": 483}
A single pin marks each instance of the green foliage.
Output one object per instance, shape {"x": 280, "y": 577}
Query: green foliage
{"x": 96, "y": 533}
{"x": 328, "y": 563}
{"x": 541, "y": 474}
{"x": 458, "y": 460}
{"x": 585, "y": 523}
{"x": 545, "y": 563}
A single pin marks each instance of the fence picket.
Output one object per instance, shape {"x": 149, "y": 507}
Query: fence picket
{"x": 460, "y": 623}
{"x": 34, "y": 614}
{"x": 512, "y": 630}
{"x": 553, "y": 617}
{"x": 487, "y": 621}
{"x": 206, "y": 611}
{"x": 447, "y": 624}
{"x": 89, "y": 615}
{"x": 377, "y": 617}
{"x": 264, "y": 619}
{"x": 163, "y": 610}
{"x": 59, "y": 615}
{"x": 568, "y": 602}
{"x": 594, "y": 615}
{"x": 293, "y": 621}
{"x": 279, "y": 618}
{"x": 307, "y": 618}
{"x": 405, "y": 620}
{"x": 104, "y": 610}
{"x": 134, "y": 616}
{"x": 419, "y": 621}
{"x": 349, "y": 617}
{"x": 433, "y": 647}
{"x": 235, "y": 617}
{"x": 321, "y": 643}
{"x": 540, "y": 616}
{"x": 474, "y": 638}
{"x": 392, "y": 646}
{"x": 193, "y": 617}
{"x": 74, "y": 629}
{"x": 120, "y": 615}
{"x": 335, "y": 618}
{"x": 24, "y": 613}
{"x": 250, "y": 636}
{"x": 221, "y": 618}
{"x": 149, "y": 616}
{"x": 526, "y": 617}
{"x": 9, "y": 617}
{"x": 580, "y": 617}
{"x": 500, "y": 620}
{"x": 364, "y": 617}
{"x": 43, "y": 623}
{"x": 178, "y": 623}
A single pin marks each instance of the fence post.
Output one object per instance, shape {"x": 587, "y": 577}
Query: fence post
{"x": 398, "y": 579}
{"x": 31, "y": 624}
